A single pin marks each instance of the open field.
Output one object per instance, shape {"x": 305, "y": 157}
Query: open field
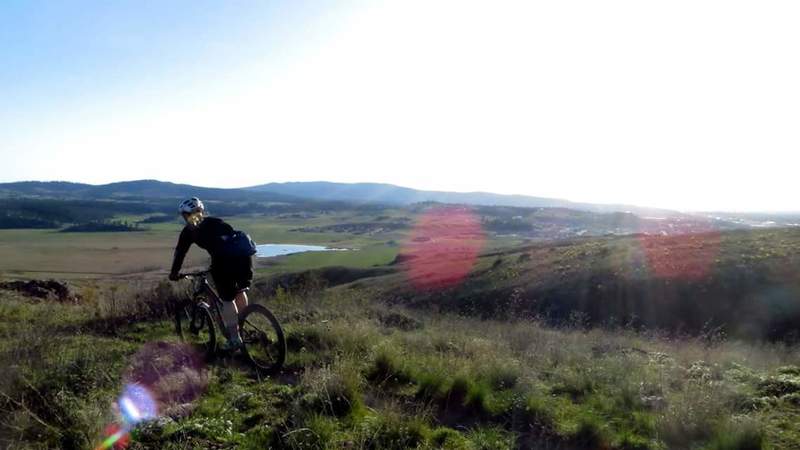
{"x": 83, "y": 255}
{"x": 70, "y": 255}
{"x": 41, "y": 253}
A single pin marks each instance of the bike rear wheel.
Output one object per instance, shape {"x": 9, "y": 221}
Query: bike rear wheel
{"x": 195, "y": 326}
{"x": 263, "y": 339}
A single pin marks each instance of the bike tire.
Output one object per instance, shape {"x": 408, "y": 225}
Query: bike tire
{"x": 263, "y": 339}
{"x": 194, "y": 325}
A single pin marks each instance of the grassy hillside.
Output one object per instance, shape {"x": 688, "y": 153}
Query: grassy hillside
{"x": 638, "y": 342}
{"x": 742, "y": 283}
{"x": 365, "y": 375}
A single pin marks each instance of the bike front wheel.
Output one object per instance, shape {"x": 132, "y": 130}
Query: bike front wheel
{"x": 195, "y": 326}
{"x": 262, "y": 336}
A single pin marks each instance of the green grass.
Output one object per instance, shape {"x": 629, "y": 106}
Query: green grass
{"x": 364, "y": 373}
{"x": 452, "y": 382}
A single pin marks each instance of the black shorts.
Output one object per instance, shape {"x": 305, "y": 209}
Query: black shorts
{"x": 231, "y": 275}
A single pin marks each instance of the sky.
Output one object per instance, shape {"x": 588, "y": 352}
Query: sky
{"x": 690, "y": 105}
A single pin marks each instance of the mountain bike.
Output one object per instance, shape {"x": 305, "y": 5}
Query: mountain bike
{"x": 198, "y": 318}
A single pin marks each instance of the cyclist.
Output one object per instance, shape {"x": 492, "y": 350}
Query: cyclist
{"x": 232, "y": 275}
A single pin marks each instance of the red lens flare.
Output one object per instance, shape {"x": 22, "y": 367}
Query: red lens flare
{"x": 442, "y": 248}
{"x": 687, "y": 252}
{"x": 115, "y": 438}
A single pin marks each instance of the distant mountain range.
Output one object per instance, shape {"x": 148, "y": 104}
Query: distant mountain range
{"x": 392, "y": 194}
{"x": 360, "y": 193}
{"x": 134, "y": 190}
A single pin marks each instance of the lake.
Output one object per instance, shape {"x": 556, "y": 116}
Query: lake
{"x": 270, "y": 250}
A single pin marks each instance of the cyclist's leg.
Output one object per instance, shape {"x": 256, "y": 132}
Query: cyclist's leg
{"x": 241, "y": 300}
{"x": 226, "y": 288}
{"x": 230, "y": 315}
{"x": 243, "y": 274}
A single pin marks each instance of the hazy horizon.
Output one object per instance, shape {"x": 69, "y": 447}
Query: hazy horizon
{"x": 686, "y": 106}
{"x": 418, "y": 189}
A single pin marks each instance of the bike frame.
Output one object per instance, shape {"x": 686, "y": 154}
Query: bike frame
{"x": 203, "y": 287}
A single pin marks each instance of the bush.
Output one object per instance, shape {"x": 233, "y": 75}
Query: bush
{"x": 471, "y": 395}
{"x": 460, "y": 393}
{"x": 690, "y": 416}
{"x": 502, "y": 376}
{"x": 317, "y": 433}
{"x": 789, "y": 370}
{"x": 449, "y": 439}
{"x": 331, "y": 393}
{"x": 575, "y": 384}
{"x": 390, "y": 431}
{"x": 491, "y": 438}
{"x": 399, "y": 321}
{"x": 386, "y": 369}
{"x": 206, "y": 428}
{"x": 533, "y": 415}
{"x": 259, "y": 439}
{"x": 779, "y": 385}
{"x": 630, "y": 441}
{"x": 745, "y": 435}
{"x": 311, "y": 339}
{"x": 459, "y": 390}
{"x": 431, "y": 385}
{"x": 589, "y": 432}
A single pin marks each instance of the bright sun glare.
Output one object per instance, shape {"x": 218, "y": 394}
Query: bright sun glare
{"x": 684, "y": 104}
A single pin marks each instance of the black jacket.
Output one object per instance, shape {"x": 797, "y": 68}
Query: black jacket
{"x": 207, "y": 235}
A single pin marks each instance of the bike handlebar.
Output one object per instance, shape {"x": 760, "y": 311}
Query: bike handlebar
{"x": 201, "y": 273}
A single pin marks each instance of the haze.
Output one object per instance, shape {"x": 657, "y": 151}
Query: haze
{"x": 686, "y": 104}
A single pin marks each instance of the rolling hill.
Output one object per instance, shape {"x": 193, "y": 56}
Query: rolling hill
{"x": 391, "y": 194}
{"x": 134, "y": 190}
{"x": 740, "y": 282}
{"x": 295, "y": 192}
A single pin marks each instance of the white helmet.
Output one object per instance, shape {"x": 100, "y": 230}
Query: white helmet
{"x": 191, "y": 206}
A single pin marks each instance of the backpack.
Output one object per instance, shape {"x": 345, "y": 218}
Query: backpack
{"x": 237, "y": 244}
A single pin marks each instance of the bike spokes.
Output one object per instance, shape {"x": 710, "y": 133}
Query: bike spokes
{"x": 259, "y": 340}
{"x": 195, "y": 327}
{"x": 263, "y": 339}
